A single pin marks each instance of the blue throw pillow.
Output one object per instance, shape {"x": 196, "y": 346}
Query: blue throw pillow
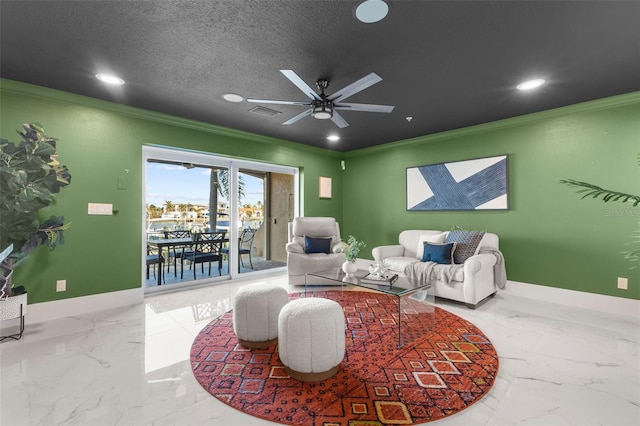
{"x": 467, "y": 243}
{"x": 317, "y": 245}
{"x": 439, "y": 253}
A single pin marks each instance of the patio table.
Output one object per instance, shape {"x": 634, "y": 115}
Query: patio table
{"x": 168, "y": 243}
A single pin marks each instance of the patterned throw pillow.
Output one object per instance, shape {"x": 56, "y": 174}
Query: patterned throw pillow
{"x": 466, "y": 243}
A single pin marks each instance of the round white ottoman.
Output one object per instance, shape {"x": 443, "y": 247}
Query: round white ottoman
{"x": 255, "y": 314}
{"x": 311, "y": 340}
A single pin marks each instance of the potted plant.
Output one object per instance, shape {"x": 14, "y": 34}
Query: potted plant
{"x": 30, "y": 175}
{"x": 351, "y": 250}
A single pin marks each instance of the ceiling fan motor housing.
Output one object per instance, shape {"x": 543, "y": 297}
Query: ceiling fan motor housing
{"x": 322, "y": 108}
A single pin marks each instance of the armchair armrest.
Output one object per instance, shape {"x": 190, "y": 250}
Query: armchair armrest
{"x": 479, "y": 262}
{"x": 337, "y": 248}
{"x": 382, "y": 252}
{"x": 479, "y": 281}
{"x": 294, "y": 248}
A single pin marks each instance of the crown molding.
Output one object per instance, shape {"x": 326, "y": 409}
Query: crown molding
{"x": 40, "y": 92}
{"x": 598, "y": 104}
{"x": 26, "y": 89}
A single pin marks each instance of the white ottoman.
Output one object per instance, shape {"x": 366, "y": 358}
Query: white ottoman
{"x": 255, "y": 314}
{"x": 311, "y": 340}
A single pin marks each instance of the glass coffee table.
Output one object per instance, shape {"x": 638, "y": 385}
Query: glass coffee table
{"x": 414, "y": 298}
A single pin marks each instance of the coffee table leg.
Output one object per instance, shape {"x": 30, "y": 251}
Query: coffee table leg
{"x": 305, "y": 285}
{"x": 400, "y": 323}
{"x": 418, "y": 308}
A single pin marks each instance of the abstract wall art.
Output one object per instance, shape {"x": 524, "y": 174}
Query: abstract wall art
{"x": 478, "y": 184}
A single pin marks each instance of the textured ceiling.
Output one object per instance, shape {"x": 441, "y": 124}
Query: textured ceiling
{"x": 447, "y": 64}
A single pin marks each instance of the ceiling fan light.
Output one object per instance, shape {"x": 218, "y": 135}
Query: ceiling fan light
{"x": 322, "y": 115}
{"x": 322, "y": 112}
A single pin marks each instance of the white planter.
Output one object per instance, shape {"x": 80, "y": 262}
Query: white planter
{"x": 349, "y": 268}
{"x": 10, "y": 307}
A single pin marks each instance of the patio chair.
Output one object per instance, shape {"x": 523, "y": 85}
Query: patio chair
{"x": 206, "y": 249}
{"x": 245, "y": 244}
{"x": 176, "y": 252}
{"x": 153, "y": 258}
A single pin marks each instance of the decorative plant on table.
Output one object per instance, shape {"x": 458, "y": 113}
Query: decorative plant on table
{"x": 590, "y": 190}
{"x": 351, "y": 249}
{"x": 30, "y": 175}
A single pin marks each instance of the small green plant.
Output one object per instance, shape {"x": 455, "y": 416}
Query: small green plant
{"x": 30, "y": 175}
{"x": 352, "y": 248}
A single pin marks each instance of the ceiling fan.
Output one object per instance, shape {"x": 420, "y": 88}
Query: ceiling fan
{"x": 325, "y": 107}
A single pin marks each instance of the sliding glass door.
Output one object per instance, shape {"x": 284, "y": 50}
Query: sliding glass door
{"x": 190, "y": 197}
{"x": 264, "y": 210}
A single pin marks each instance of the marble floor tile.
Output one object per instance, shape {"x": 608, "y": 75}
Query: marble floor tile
{"x": 130, "y": 366}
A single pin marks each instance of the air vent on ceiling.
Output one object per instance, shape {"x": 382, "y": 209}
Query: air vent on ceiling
{"x": 265, "y": 112}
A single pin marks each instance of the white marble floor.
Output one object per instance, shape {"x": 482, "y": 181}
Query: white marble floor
{"x": 130, "y": 366}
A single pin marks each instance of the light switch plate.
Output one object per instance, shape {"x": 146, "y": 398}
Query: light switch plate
{"x": 100, "y": 209}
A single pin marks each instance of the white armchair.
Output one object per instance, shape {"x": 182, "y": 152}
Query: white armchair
{"x": 314, "y": 245}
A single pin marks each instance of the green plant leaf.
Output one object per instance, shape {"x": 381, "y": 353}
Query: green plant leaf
{"x": 44, "y": 149}
{"x": 29, "y": 176}
{"x": 590, "y": 190}
{"x": 352, "y": 247}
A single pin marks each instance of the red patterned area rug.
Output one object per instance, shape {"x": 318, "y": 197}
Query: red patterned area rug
{"x": 441, "y": 373}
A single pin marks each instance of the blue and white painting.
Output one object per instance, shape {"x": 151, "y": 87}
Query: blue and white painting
{"x": 479, "y": 184}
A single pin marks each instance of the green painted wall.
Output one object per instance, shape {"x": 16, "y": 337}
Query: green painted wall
{"x": 99, "y": 142}
{"x": 549, "y": 236}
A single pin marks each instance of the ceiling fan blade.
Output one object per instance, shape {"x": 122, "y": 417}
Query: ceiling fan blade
{"x": 297, "y": 117}
{"x": 364, "y": 107}
{"x": 300, "y": 84}
{"x": 355, "y": 87}
{"x": 338, "y": 120}
{"x": 273, "y": 101}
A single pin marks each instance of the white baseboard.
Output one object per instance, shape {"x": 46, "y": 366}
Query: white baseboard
{"x": 47, "y": 311}
{"x": 578, "y": 299}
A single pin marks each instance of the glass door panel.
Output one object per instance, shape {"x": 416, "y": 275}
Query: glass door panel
{"x": 264, "y": 208}
{"x": 251, "y": 224}
{"x": 281, "y": 212}
{"x": 189, "y": 193}
{"x": 184, "y": 203}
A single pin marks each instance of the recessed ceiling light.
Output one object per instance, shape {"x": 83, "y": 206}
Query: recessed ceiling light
{"x": 371, "y": 11}
{"x": 530, "y": 84}
{"x": 333, "y": 138}
{"x": 232, "y": 97}
{"x": 110, "y": 79}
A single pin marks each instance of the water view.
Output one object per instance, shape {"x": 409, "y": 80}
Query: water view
{"x": 195, "y": 199}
